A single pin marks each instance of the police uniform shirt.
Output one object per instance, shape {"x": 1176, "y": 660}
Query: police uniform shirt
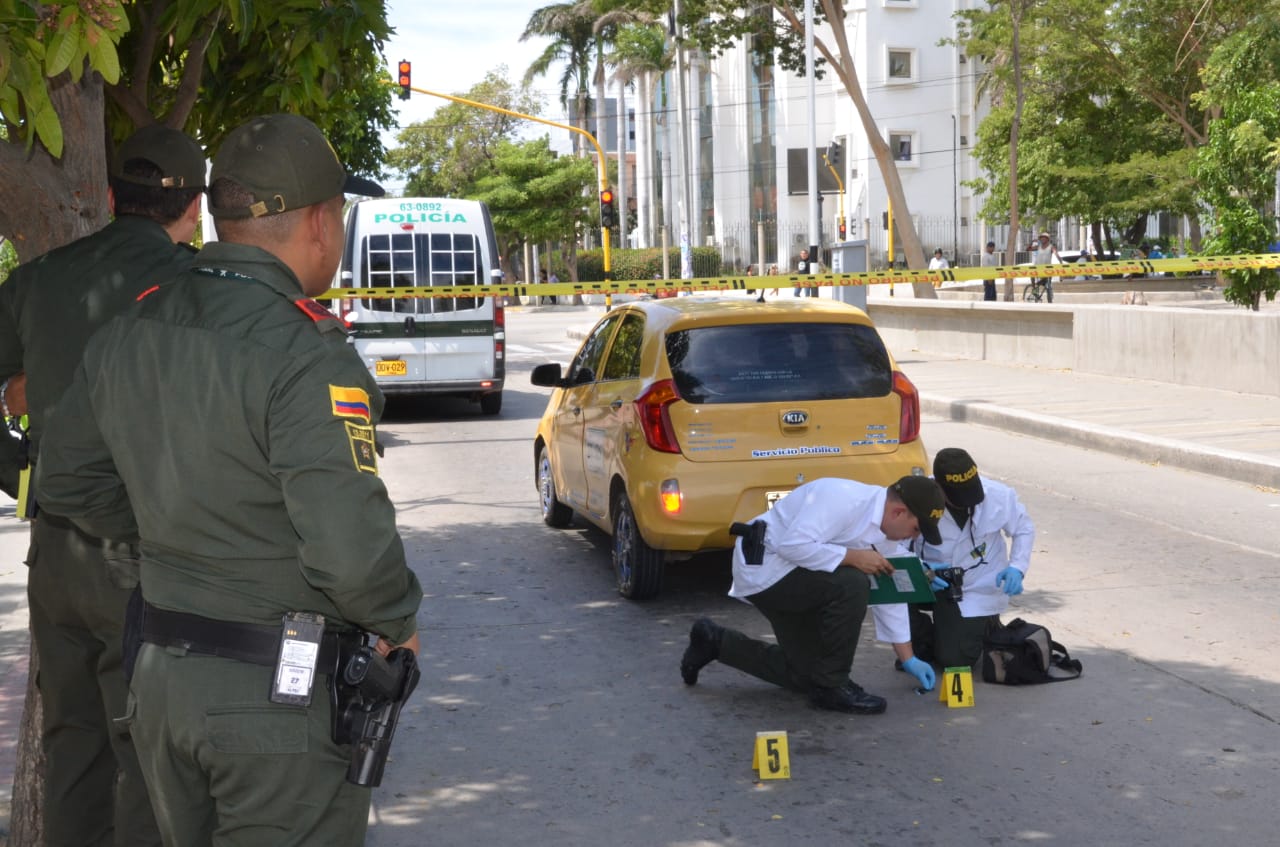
{"x": 228, "y": 421}
{"x": 50, "y": 306}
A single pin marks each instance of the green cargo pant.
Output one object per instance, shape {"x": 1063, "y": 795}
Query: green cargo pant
{"x": 817, "y": 620}
{"x": 227, "y": 767}
{"x": 77, "y": 616}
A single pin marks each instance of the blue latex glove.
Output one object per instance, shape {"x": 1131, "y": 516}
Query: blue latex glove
{"x": 1009, "y": 581}
{"x": 937, "y": 583}
{"x": 922, "y": 671}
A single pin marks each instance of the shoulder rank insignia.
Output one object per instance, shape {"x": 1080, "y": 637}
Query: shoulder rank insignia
{"x": 349, "y": 403}
{"x": 318, "y": 314}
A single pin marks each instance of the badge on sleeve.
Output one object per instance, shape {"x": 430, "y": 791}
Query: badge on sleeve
{"x": 364, "y": 450}
{"x": 349, "y": 403}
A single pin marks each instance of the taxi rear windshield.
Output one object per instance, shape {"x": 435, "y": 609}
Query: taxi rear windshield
{"x": 785, "y": 362}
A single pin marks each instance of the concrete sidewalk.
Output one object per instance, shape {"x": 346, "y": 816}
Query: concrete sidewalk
{"x": 1222, "y": 433}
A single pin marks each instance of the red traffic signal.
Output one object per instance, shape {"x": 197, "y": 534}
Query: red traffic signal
{"x": 405, "y": 74}
{"x": 608, "y": 217}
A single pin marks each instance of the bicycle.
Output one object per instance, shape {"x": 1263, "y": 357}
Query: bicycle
{"x": 1036, "y": 290}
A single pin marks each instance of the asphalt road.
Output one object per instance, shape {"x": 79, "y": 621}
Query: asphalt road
{"x": 551, "y": 711}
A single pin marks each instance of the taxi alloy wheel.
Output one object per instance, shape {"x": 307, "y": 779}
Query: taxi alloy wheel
{"x": 554, "y": 513}
{"x": 636, "y": 565}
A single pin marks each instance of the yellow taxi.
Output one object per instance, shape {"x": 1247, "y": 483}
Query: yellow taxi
{"x": 676, "y": 418}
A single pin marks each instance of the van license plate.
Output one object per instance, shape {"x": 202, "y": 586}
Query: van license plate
{"x": 390, "y": 367}
{"x": 771, "y": 497}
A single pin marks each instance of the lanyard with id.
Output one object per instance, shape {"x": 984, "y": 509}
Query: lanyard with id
{"x": 300, "y": 635}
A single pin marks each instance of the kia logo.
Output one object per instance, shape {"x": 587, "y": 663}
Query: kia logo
{"x": 795, "y": 418}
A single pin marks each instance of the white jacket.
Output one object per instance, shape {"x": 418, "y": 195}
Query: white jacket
{"x": 814, "y": 527}
{"x": 979, "y": 546}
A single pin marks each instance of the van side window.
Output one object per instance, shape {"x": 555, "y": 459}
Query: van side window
{"x": 624, "y": 355}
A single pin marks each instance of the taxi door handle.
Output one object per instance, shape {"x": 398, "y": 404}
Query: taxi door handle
{"x": 616, "y": 404}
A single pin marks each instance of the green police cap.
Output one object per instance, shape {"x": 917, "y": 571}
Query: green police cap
{"x": 177, "y": 156}
{"x": 286, "y": 163}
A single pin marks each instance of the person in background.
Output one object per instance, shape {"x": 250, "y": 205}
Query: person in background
{"x": 1044, "y": 253}
{"x": 989, "y": 260}
{"x": 939, "y": 261}
{"x": 807, "y": 268}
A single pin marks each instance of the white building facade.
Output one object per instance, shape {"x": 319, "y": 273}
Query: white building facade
{"x": 748, "y": 140}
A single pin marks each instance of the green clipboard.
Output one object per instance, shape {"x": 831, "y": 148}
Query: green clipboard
{"x": 907, "y": 585}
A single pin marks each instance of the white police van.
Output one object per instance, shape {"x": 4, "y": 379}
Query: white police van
{"x": 425, "y": 345}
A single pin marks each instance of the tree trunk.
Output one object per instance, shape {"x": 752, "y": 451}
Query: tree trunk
{"x": 904, "y": 227}
{"x": 68, "y": 196}
{"x": 25, "y": 813}
{"x": 67, "y": 200}
{"x": 1015, "y": 9}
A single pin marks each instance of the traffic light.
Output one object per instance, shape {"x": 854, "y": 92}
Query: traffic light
{"x": 844, "y": 232}
{"x": 608, "y": 218}
{"x": 405, "y": 69}
{"x": 835, "y": 154}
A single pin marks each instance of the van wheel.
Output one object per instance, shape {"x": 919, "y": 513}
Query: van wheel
{"x": 491, "y": 404}
{"x": 636, "y": 565}
{"x": 554, "y": 513}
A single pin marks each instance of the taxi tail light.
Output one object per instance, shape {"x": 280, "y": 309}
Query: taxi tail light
{"x": 909, "y": 417}
{"x": 670, "y": 497}
{"x": 655, "y": 417}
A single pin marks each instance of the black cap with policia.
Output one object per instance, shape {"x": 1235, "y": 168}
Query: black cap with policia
{"x": 957, "y": 473}
{"x": 924, "y": 499}
{"x": 175, "y": 155}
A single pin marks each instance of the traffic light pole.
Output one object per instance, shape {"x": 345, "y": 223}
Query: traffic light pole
{"x": 603, "y": 163}
{"x": 840, "y": 183}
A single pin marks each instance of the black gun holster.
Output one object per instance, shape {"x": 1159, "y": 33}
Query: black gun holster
{"x": 367, "y": 693}
{"x": 752, "y": 535}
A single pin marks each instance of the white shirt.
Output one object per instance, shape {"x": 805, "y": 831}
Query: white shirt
{"x": 938, "y": 263}
{"x": 990, "y": 260}
{"x": 1045, "y": 256}
{"x": 980, "y": 545}
{"x": 814, "y": 527}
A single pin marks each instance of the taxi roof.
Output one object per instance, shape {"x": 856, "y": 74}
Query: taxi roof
{"x": 682, "y": 311}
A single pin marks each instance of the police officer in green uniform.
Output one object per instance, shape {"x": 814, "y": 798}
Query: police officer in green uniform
{"x": 78, "y": 585}
{"x": 226, "y": 421}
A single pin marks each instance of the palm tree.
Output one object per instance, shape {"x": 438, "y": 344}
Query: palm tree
{"x": 570, "y": 26}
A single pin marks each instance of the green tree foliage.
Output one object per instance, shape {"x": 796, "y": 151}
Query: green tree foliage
{"x": 200, "y": 65}
{"x": 446, "y": 154}
{"x": 1236, "y": 168}
{"x": 1112, "y": 118}
{"x": 536, "y": 197}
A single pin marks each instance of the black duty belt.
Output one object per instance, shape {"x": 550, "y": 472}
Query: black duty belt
{"x": 257, "y": 644}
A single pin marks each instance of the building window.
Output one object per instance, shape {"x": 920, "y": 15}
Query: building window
{"x": 902, "y": 65}
{"x": 902, "y": 146}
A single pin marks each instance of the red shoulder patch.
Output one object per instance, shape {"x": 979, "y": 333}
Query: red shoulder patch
{"x": 153, "y": 289}
{"x": 314, "y": 310}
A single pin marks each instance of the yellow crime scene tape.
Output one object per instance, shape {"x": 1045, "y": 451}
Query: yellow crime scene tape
{"x": 1146, "y": 267}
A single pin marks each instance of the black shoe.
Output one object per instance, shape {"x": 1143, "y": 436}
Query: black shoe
{"x": 703, "y": 649}
{"x": 848, "y": 698}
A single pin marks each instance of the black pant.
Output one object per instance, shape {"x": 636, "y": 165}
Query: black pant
{"x": 816, "y": 618}
{"x": 988, "y": 289}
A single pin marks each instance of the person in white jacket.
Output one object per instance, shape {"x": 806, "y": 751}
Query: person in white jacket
{"x": 809, "y": 578}
{"x": 988, "y": 534}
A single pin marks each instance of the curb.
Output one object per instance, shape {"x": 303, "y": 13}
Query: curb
{"x": 1228, "y": 464}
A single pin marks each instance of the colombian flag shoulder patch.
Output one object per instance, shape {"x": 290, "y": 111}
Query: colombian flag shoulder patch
{"x": 349, "y": 402}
